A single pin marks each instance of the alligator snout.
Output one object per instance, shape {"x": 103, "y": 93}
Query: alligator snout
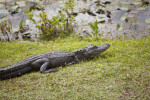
{"x": 104, "y": 47}
{"x": 107, "y": 45}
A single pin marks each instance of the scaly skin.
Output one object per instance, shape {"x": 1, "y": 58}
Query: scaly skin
{"x": 47, "y": 62}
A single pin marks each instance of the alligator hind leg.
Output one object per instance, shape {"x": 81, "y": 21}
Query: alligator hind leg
{"x": 41, "y": 64}
{"x": 51, "y": 70}
{"x": 45, "y": 68}
{"x": 44, "y": 65}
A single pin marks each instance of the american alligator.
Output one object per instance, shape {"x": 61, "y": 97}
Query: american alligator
{"x": 47, "y": 62}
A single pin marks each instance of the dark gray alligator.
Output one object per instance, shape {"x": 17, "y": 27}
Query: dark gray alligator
{"x": 47, "y": 62}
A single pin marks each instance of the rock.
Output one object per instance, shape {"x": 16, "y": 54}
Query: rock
{"x": 84, "y": 33}
{"x": 136, "y": 2}
{"x": 3, "y": 13}
{"x": 15, "y": 30}
{"x": 100, "y": 11}
{"x": 124, "y": 17}
{"x": 3, "y": 19}
{"x": 101, "y": 7}
{"x": 123, "y": 7}
{"x": 21, "y": 3}
{"x": 147, "y": 21}
{"x": 31, "y": 5}
{"x": 27, "y": 35}
{"x": 119, "y": 27}
{"x": 1, "y": 5}
{"x": 108, "y": 14}
{"x": 91, "y": 13}
{"x": 3, "y": 38}
{"x": 16, "y": 33}
{"x": 142, "y": 7}
{"x": 101, "y": 19}
{"x": 24, "y": 28}
{"x": 74, "y": 14}
{"x": 106, "y": 2}
{"x": 14, "y": 9}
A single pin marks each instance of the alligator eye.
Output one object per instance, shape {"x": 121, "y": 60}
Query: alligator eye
{"x": 91, "y": 45}
{"x": 95, "y": 47}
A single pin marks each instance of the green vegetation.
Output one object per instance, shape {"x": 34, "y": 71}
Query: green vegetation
{"x": 120, "y": 73}
{"x": 6, "y": 29}
{"x": 95, "y": 29}
{"x": 58, "y": 26}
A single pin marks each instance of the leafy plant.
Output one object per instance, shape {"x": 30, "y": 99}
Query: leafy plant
{"x": 95, "y": 29}
{"x": 58, "y": 26}
{"x": 30, "y": 15}
{"x": 69, "y": 5}
{"x": 6, "y": 27}
{"x": 7, "y": 30}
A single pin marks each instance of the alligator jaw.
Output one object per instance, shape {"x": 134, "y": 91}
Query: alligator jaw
{"x": 96, "y": 50}
{"x": 90, "y": 51}
{"x": 102, "y": 48}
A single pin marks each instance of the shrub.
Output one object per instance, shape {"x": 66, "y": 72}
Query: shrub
{"x": 58, "y": 26}
{"x": 95, "y": 29}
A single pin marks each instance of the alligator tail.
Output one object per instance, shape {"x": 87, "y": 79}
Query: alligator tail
{"x": 16, "y": 73}
{"x": 14, "y": 67}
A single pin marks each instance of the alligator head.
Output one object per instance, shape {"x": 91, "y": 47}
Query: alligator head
{"x": 90, "y": 51}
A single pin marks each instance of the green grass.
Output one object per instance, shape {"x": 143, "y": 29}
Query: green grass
{"x": 120, "y": 73}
